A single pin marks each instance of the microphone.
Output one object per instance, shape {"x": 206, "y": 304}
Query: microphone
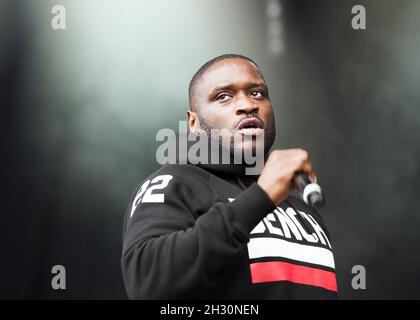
{"x": 311, "y": 192}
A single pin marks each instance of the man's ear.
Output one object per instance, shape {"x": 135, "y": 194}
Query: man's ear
{"x": 193, "y": 121}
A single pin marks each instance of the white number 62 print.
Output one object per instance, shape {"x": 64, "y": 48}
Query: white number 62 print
{"x": 145, "y": 194}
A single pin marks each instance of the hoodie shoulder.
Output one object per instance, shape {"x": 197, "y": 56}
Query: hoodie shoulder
{"x": 181, "y": 172}
{"x": 175, "y": 179}
{"x": 170, "y": 184}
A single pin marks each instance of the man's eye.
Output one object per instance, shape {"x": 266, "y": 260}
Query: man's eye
{"x": 222, "y": 97}
{"x": 257, "y": 94}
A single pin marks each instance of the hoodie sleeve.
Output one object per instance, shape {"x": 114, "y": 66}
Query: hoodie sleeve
{"x": 177, "y": 247}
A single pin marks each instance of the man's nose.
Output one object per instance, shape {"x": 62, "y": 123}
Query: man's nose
{"x": 246, "y": 105}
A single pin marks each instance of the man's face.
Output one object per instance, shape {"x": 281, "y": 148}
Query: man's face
{"x": 232, "y": 95}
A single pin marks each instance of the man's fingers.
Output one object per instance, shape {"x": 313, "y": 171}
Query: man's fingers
{"x": 309, "y": 170}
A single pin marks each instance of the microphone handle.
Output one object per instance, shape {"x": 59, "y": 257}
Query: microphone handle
{"x": 310, "y": 191}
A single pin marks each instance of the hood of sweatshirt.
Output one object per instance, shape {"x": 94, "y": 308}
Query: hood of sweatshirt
{"x": 200, "y": 150}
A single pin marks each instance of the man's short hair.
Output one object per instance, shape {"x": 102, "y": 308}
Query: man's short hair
{"x": 206, "y": 66}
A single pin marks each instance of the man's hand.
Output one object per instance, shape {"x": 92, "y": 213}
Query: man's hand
{"x": 279, "y": 170}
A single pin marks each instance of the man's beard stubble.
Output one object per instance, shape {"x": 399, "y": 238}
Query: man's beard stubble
{"x": 269, "y": 134}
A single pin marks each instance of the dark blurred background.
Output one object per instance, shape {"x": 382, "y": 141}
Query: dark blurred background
{"x": 81, "y": 108}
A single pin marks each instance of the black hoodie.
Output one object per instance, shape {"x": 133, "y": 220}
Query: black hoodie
{"x": 211, "y": 232}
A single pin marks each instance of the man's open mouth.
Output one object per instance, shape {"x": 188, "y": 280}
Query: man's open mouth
{"x": 251, "y": 126}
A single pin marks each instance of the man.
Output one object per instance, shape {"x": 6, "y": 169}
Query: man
{"x": 213, "y": 232}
